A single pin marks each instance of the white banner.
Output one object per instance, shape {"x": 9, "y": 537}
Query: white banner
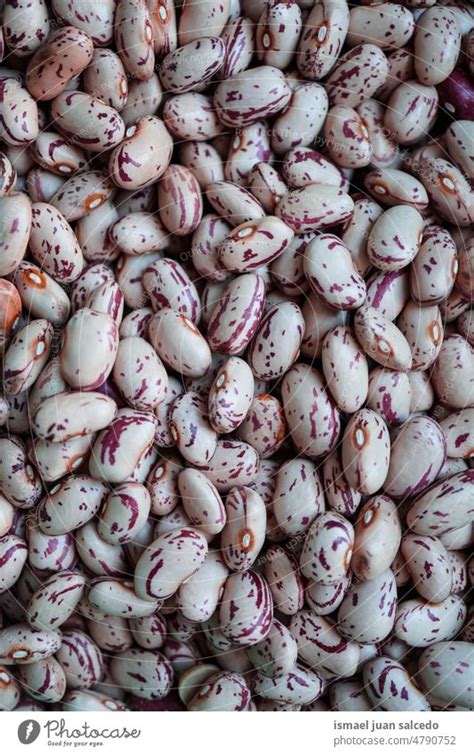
{"x": 238, "y": 734}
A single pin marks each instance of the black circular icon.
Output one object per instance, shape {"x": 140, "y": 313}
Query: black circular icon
{"x": 28, "y": 731}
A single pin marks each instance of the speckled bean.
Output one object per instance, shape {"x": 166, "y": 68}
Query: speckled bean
{"x": 327, "y": 549}
{"x": 437, "y": 43}
{"x": 444, "y": 670}
{"x": 98, "y": 21}
{"x": 168, "y": 562}
{"x": 224, "y": 691}
{"x": 244, "y": 532}
{"x": 134, "y": 38}
{"x": 21, "y": 644}
{"x": 179, "y": 343}
{"x": 453, "y": 372}
{"x": 124, "y": 513}
{"x": 67, "y": 415}
{"x": 302, "y": 120}
{"x": 382, "y": 340}
{"x": 54, "y": 245}
{"x": 64, "y": 55}
{"x": 421, "y": 624}
{"x": 321, "y": 646}
{"x": 55, "y": 601}
{"x": 106, "y": 79}
{"x": 411, "y": 111}
{"x": 192, "y": 65}
{"x": 18, "y": 114}
{"x": 390, "y": 394}
{"x": 13, "y": 554}
{"x": 314, "y": 207}
{"x": 444, "y": 507}
{"x": 25, "y": 25}
{"x": 390, "y": 687}
{"x": 377, "y": 537}
{"x": 139, "y": 374}
{"x": 20, "y": 482}
{"x": 322, "y": 38}
{"x": 284, "y": 580}
{"x": 357, "y": 75}
{"x": 427, "y": 560}
{"x": 366, "y": 451}
{"x": 15, "y": 230}
{"x": 143, "y": 155}
{"x": 394, "y": 239}
{"x": 312, "y": 417}
{"x": 367, "y": 613}
{"x": 387, "y": 25}
{"x": 251, "y": 95}
{"x": 246, "y": 609}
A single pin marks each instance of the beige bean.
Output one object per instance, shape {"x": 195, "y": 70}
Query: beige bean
{"x": 457, "y": 137}
{"x": 234, "y": 203}
{"x": 82, "y": 367}
{"x": 26, "y": 25}
{"x": 453, "y": 372}
{"x": 230, "y": 395}
{"x": 20, "y": 644}
{"x": 122, "y": 445}
{"x": 237, "y": 314}
{"x": 63, "y": 259}
{"x": 134, "y": 38}
{"x": 40, "y": 294}
{"x": 423, "y": 329}
{"x": 18, "y": 114}
{"x": 106, "y": 79}
{"x": 444, "y": 507}
{"x": 449, "y": 191}
{"x": 139, "y": 374}
{"x": 387, "y": 697}
{"x": 431, "y": 283}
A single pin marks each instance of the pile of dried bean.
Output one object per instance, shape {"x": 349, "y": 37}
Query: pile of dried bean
{"x": 236, "y": 333}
